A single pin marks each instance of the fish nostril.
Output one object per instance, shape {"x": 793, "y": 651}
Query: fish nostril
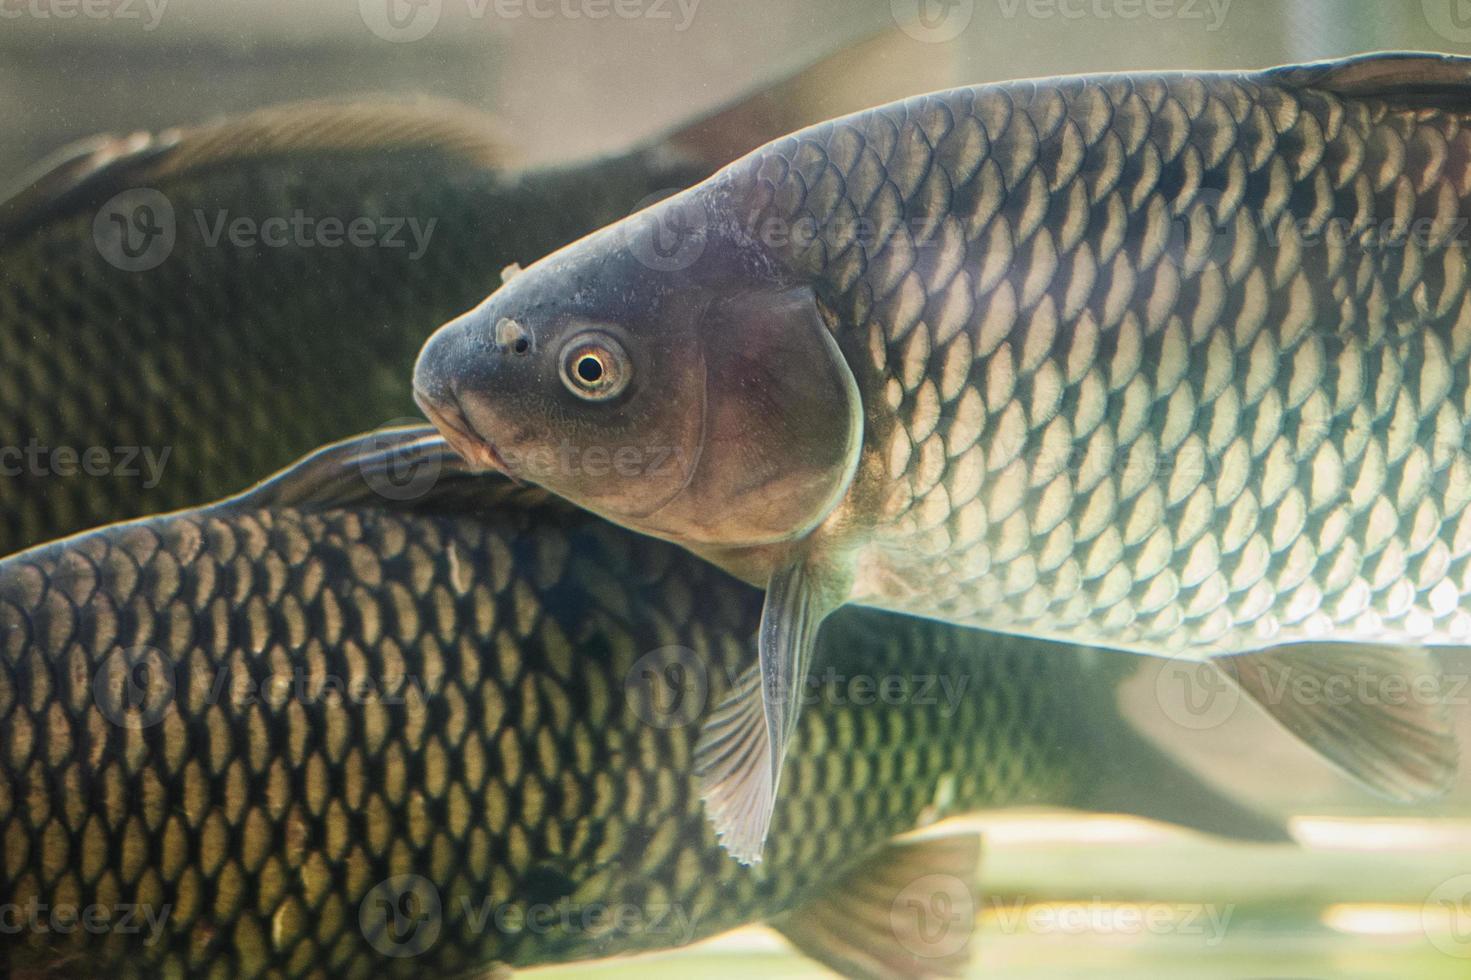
{"x": 509, "y": 335}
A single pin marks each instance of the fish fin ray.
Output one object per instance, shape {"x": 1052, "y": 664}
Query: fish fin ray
{"x": 877, "y": 69}
{"x": 739, "y": 756}
{"x": 856, "y": 924}
{"x": 85, "y": 174}
{"x": 1400, "y": 746}
{"x": 407, "y": 468}
{"x": 1398, "y": 76}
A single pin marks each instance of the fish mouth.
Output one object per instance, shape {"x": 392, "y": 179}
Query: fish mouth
{"x": 450, "y": 420}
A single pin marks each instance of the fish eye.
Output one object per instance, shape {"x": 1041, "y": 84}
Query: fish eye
{"x": 595, "y": 367}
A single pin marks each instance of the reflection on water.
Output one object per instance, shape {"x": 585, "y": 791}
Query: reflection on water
{"x": 1117, "y": 897}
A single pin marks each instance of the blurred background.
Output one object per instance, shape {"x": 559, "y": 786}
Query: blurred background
{"x": 1374, "y": 890}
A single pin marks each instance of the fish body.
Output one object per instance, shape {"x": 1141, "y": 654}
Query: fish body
{"x": 244, "y": 349}
{"x": 1177, "y": 364}
{"x": 184, "y": 312}
{"x": 270, "y": 726}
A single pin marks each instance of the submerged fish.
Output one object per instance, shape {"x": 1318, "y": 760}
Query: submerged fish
{"x": 1177, "y": 364}
{"x": 183, "y": 313}
{"x": 313, "y": 732}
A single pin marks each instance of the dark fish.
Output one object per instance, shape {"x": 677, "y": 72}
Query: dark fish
{"x": 125, "y": 393}
{"x": 312, "y": 732}
{"x": 1177, "y": 364}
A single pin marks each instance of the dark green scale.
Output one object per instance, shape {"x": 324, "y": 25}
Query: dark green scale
{"x": 236, "y": 360}
{"x": 514, "y": 740}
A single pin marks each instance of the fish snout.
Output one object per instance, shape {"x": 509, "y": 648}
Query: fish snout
{"x": 442, "y": 363}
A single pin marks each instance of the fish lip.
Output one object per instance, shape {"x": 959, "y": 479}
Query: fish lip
{"x": 478, "y": 451}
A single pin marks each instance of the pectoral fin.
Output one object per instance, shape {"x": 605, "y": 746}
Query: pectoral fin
{"x": 1375, "y": 712}
{"x": 907, "y": 911}
{"x": 739, "y": 757}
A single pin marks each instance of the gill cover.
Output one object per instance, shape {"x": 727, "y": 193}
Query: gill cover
{"x": 782, "y": 426}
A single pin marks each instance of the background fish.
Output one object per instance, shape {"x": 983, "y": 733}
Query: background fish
{"x": 1178, "y": 364}
{"x": 530, "y": 681}
{"x": 208, "y": 359}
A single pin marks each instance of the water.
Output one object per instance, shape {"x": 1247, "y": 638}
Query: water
{"x": 1373, "y": 890}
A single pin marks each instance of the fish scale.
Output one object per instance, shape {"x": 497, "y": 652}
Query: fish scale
{"x": 1175, "y": 364}
{"x": 1133, "y": 439}
{"x": 99, "y": 356}
{"x": 515, "y": 771}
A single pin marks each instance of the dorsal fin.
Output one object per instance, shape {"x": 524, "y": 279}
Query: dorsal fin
{"x": 879, "y": 68}
{"x": 410, "y": 468}
{"x": 88, "y": 173}
{"x": 1398, "y": 76}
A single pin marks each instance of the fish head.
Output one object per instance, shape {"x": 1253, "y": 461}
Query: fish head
{"x": 705, "y": 406}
